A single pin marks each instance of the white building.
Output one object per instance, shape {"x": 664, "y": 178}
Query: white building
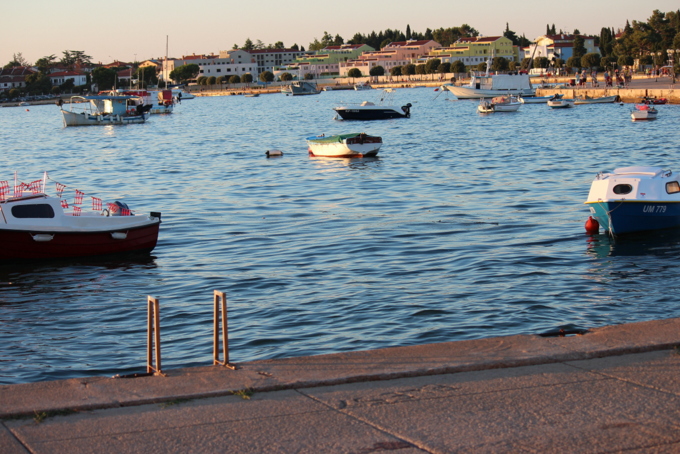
{"x": 225, "y": 65}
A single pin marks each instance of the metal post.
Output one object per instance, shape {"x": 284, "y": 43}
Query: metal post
{"x": 153, "y": 337}
{"x": 220, "y": 306}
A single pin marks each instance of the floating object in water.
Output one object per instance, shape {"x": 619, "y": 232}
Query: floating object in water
{"x": 592, "y": 226}
{"x": 272, "y": 153}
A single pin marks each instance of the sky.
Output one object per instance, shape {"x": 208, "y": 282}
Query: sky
{"x": 127, "y": 30}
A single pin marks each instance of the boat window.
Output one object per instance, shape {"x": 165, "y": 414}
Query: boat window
{"x": 622, "y": 189}
{"x": 36, "y": 210}
{"x": 672, "y": 187}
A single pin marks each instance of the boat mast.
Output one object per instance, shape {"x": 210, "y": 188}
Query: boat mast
{"x": 165, "y": 65}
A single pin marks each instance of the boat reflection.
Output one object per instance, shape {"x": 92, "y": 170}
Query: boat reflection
{"x": 664, "y": 243}
{"x": 329, "y": 164}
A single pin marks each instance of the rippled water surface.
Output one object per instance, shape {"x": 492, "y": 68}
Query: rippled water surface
{"x": 465, "y": 226}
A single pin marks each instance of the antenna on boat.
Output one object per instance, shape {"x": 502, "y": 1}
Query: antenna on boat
{"x": 44, "y": 182}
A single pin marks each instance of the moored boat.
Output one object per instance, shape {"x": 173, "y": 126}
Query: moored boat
{"x": 654, "y": 100}
{"x": 635, "y": 199}
{"x": 367, "y": 110}
{"x": 561, "y": 103}
{"x": 499, "y": 104}
{"x": 538, "y": 99}
{"x": 643, "y": 112}
{"x": 362, "y": 86}
{"x": 104, "y": 110}
{"x": 354, "y": 145}
{"x": 161, "y": 101}
{"x": 601, "y": 100}
{"x": 35, "y": 225}
{"x": 300, "y": 87}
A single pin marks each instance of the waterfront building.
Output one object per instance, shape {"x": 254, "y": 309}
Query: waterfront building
{"x": 225, "y": 65}
{"x": 14, "y": 77}
{"x": 558, "y": 46}
{"x": 474, "y": 50}
{"x": 78, "y": 77}
{"x": 394, "y": 54}
{"x": 324, "y": 62}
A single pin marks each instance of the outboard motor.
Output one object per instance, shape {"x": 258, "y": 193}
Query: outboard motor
{"x": 407, "y": 110}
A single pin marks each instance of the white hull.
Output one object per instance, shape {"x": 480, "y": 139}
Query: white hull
{"x": 499, "y": 104}
{"x": 535, "y": 99}
{"x": 162, "y": 109}
{"x": 642, "y": 116}
{"x": 602, "y": 100}
{"x": 343, "y": 150}
{"x": 86, "y": 119}
{"x": 473, "y": 93}
{"x": 561, "y": 103}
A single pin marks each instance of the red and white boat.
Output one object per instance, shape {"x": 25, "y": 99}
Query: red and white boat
{"x": 34, "y": 225}
{"x": 644, "y": 112}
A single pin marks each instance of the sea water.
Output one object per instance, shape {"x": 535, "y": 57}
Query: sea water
{"x": 465, "y": 226}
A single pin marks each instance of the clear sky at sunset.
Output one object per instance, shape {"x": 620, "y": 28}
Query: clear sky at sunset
{"x": 127, "y": 30}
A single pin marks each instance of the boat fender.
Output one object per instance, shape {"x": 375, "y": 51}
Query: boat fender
{"x": 272, "y": 153}
{"x": 592, "y": 226}
{"x": 106, "y": 212}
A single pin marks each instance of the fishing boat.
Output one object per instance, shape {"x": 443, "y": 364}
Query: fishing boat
{"x": 635, "y": 199}
{"x": 104, "y": 110}
{"x": 300, "y": 87}
{"x": 161, "y": 101}
{"x": 643, "y": 112}
{"x": 499, "y": 104}
{"x": 355, "y": 145}
{"x": 382, "y": 110}
{"x": 489, "y": 85}
{"x": 601, "y": 100}
{"x": 538, "y": 99}
{"x": 561, "y": 103}
{"x": 35, "y": 225}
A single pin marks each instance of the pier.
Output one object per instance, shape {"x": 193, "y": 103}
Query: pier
{"x": 610, "y": 389}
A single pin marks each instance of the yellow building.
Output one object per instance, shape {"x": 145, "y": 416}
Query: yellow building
{"x": 475, "y": 50}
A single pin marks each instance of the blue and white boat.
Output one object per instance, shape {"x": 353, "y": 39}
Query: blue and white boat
{"x": 635, "y": 199}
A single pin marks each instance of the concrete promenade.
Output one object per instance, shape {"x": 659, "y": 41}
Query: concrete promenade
{"x": 613, "y": 389}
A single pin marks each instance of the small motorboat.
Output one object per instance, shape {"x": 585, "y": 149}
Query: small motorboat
{"x": 560, "y": 103}
{"x": 499, "y": 104}
{"x": 355, "y": 145}
{"x": 656, "y": 101}
{"x": 538, "y": 99}
{"x": 300, "y": 88}
{"x": 362, "y": 86}
{"x": 643, "y": 112}
{"x": 251, "y": 95}
{"x": 35, "y": 225}
{"x": 383, "y": 110}
{"x": 601, "y": 100}
{"x": 635, "y": 199}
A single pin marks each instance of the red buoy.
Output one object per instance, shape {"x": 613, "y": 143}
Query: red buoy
{"x": 592, "y": 226}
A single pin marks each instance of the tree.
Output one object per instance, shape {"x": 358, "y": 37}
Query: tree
{"x": 625, "y": 60}
{"x": 574, "y": 62}
{"x": 247, "y": 78}
{"x": 408, "y": 32}
{"x": 220, "y": 80}
{"x": 279, "y": 45}
{"x": 579, "y": 47}
{"x": 408, "y": 69}
{"x": 248, "y": 45}
{"x": 266, "y": 76}
{"x": 377, "y": 71}
{"x": 457, "y": 67}
{"x": 212, "y": 80}
{"x": 286, "y": 77}
{"x": 511, "y": 35}
{"x": 432, "y": 65}
{"x": 444, "y": 68}
{"x": 72, "y": 58}
{"x": 67, "y": 86}
{"x": 421, "y": 69}
{"x": 104, "y": 78}
{"x": 17, "y": 60}
{"x": 395, "y": 71}
{"x": 354, "y": 73}
{"x": 235, "y": 79}
{"x": 499, "y": 64}
{"x": 591, "y": 60}
{"x": 185, "y": 73}
{"x": 44, "y": 64}
{"x": 309, "y": 76}
{"x": 202, "y": 80}
{"x": 146, "y": 75}
{"x": 38, "y": 83}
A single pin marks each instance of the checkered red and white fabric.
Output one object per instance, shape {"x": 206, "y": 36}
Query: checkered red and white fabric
{"x": 79, "y": 197}
{"x": 76, "y": 211}
{"x": 4, "y": 190}
{"x": 96, "y": 204}
{"x": 60, "y": 189}
{"x": 64, "y": 203}
{"x": 113, "y": 208}
{"x": 19, "y": 190}
{"x": 35, "y": 186}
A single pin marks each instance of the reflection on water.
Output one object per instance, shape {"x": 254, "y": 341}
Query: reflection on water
{"x": 661, "y": 243}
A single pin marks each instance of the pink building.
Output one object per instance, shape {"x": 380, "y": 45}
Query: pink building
{"x": 394, "y": 54}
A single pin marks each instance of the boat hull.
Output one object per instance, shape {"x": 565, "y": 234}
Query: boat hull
{"x": 382, "y": 113}
{"x": 643, "y": 116}
{"x": 602, "y": 100}
{"x": 86, "y": 119}
{"x": 46, "y": 244}
{"x": 465, "y": 92}
{"x": 561, "y": 104}
{"x": 622, "y": 217}
{"x": 347, "y": 146}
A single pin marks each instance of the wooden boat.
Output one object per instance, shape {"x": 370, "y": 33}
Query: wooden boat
{"x": 367, "y": 110}
{"x": 600, "y": 100}
{"x": 355, "y": 145}
{"x": 538, "y": 99}
{"x": 104, "y": 110}
{"x": 34, "y": 225}
{"x": 643, "y": 112}
{"x": 499, "y": 104}
{"x": 635, "y": 199}
{"x": 561, "y": 103}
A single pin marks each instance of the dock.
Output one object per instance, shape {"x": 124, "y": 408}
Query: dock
{"x": 610, "y": 389}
